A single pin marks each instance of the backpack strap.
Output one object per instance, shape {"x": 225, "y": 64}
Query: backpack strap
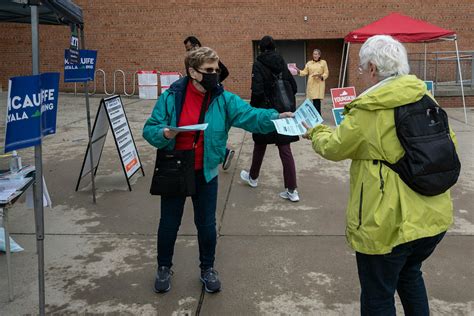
{"x": 270, "y": 73}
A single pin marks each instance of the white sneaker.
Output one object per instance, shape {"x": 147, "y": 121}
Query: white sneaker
{"x": 244, "y": 175}
{"x": 292, "y": 196}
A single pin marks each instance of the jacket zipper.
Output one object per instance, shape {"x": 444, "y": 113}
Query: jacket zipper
{"x": 360, "y": 205}
{"x": 382, "y": 182}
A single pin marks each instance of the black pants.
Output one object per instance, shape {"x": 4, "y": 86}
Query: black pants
{"x": 381, "y": 275}
{"x": 317, "y": 105}
{"x": 204, "y": 202}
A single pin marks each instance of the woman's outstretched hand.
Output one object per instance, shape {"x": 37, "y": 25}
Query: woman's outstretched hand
{"x": 286, "y": 114}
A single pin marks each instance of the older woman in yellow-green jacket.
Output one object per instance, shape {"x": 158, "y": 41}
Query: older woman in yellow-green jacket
{"x": 392, "y": 228}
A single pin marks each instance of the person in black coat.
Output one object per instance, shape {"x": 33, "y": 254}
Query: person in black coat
{"x": 270, "y": 62}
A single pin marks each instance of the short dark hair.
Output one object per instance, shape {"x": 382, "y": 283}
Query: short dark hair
{"x": 266, "y": 44}
{"x": 193, "y": 40}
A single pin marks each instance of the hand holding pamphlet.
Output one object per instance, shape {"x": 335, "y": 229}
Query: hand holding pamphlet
{"x": 293, "y": 69}
{"x": 293, "y": 126}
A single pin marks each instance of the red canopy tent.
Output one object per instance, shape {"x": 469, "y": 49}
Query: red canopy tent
{"x": 401, "y": 27}
{"x": 406, "y": 30}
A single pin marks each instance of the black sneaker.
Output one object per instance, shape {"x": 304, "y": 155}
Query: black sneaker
{"x": 210, "y": 279}
{"x": 228, "y": 159}
{"x": 163, "y": 279}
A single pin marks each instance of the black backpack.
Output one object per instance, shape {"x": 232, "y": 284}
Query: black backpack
{"x": 281, "y": 97}
{"x": 430, "y": 165}
{"x": 282, "y": 94}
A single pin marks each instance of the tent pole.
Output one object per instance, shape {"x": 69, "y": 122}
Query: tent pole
{"x": 89, "y": 129}
{"x": 424, "y": 75}
{"x": 342, "y": 64}
{"x": 345, "y": 65}
{"x": 38, "y": 185}
{"x": 460, "y": 78}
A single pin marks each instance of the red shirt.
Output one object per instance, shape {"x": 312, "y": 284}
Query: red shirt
{"x": 190, "y": 116}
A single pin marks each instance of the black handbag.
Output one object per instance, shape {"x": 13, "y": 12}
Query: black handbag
{"x": 174, "y": 173}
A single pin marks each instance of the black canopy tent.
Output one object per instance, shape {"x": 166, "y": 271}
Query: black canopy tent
{"x": 52, "y": 12}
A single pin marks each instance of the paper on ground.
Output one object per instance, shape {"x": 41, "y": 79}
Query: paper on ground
{"x": 189, "y": 128}
{"x": 14, "y": 247}
{"x": 293, "y": 126}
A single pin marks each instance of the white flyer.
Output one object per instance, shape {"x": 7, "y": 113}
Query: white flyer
{"x": 189, "y": 128}
{"x": 293, "y": 126}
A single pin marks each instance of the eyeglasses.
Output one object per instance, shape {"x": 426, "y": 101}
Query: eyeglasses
{"x": 209, "y": 70}
{"x": 360, "y": 69}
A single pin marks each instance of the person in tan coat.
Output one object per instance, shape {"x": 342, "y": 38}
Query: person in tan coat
{"x": 317, "y": 72}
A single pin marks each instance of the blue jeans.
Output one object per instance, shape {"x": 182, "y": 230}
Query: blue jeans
{"x": 381, "y": 275}
{"x": 204, "y": 202}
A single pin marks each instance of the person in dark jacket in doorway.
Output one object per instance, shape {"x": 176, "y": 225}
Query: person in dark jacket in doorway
{"x": 270, "y": 62}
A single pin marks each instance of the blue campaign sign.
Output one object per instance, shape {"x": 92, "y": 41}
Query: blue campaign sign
{"x": 49, "y": 102}
{"x": 338, "y": 116}
{"x": 84, "y": 70}
{"x": 430, "y": 87}
{"x": 30, "y": 99}
{"x": 74, "y": 46}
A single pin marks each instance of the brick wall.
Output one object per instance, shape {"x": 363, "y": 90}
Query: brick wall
{"x": 451, "y": 102}
{"x": 146, "y": 34}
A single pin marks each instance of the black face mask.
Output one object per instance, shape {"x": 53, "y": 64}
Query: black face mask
{"x": 209, "y": 81}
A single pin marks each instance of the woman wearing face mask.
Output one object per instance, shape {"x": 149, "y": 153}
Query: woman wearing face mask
{"x": 317, "y": 72}
{"x": 180, "y": 105}
{"x": 190, "y": 43}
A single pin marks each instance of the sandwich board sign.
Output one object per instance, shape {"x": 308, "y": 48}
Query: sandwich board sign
{"x": 111, "y": 113}
{"x": 342, "y": 96}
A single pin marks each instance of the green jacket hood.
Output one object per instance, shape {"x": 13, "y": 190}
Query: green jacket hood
{"x": 395, "y": 92}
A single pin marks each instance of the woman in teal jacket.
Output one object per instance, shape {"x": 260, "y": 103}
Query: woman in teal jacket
{"x": 178, "y": 106}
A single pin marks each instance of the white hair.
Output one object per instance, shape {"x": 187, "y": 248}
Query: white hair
{"x": 387, "y": 54}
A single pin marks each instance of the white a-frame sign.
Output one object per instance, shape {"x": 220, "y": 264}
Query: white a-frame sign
{"x": 111, "y": 112}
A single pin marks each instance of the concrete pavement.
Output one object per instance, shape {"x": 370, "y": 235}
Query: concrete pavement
{"x": 274, "y": 257}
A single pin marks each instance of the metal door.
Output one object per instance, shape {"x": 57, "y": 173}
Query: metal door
{"x": 294, "y": 52}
